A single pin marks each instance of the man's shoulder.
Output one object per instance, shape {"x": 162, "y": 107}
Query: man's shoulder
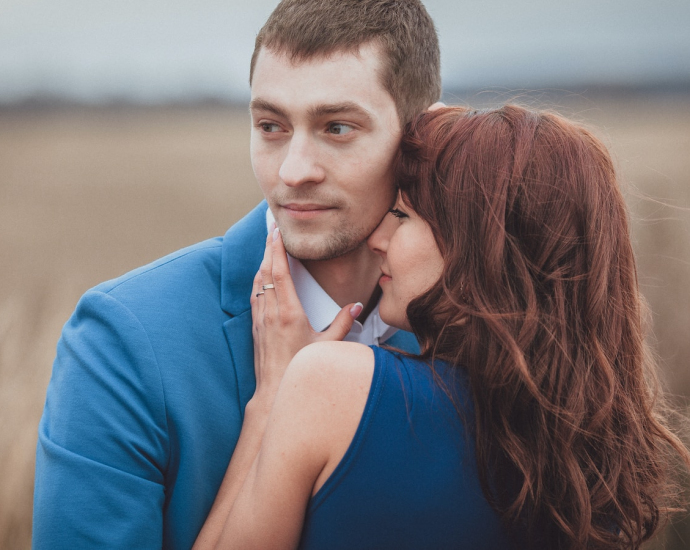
{"x": 178, "y": 268}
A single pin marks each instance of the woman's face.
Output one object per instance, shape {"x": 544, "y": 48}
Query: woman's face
{"x": 411, "y": 261}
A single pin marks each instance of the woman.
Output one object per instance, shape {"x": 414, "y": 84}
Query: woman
{"x": 532, "y": 416}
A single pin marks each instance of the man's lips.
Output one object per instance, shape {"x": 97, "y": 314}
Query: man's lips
{"x": 384, "y": 277}
{"x": 305, "y": 211}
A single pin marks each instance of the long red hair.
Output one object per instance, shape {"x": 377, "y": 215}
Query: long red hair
{"x": 539, "y": 303}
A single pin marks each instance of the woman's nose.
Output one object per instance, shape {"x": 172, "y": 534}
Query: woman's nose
{"x": 379, "y": 239}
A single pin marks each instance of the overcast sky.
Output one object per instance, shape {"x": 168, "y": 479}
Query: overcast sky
{"x": 156, "y": 50}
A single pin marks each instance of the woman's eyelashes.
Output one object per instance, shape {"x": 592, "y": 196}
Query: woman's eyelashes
{"x": 398, "y": 213}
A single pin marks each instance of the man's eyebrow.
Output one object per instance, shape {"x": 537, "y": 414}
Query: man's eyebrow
{"x": 344, "y": 108}
{"x": 263, "y": 105}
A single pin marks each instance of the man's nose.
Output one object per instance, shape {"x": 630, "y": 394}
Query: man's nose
{"x": 301, "y": 163}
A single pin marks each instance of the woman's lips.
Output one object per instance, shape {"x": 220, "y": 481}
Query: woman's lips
{"x": 384, "y": 278}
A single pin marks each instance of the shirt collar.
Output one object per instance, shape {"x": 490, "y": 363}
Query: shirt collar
{"x": 321, "y": 309}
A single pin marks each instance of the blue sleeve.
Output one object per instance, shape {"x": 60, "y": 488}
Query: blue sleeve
{"x": 102, "y": 444}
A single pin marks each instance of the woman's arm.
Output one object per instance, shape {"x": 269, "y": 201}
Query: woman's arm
{"x": 314, "y": 418}
{"x": 316, "y": 412}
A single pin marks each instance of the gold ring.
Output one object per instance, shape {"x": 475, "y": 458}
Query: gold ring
{"x": 266, "y": 287}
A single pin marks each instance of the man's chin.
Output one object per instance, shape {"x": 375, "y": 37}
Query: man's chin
{"x": 317, "y": 248}
{"x": 308, "y": 252}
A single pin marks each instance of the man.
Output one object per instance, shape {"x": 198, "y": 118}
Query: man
{"x": 154, "y": 369}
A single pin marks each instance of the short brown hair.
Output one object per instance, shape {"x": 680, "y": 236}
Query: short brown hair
{"x": 411, "y": 61}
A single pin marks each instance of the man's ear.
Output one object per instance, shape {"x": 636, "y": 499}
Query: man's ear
{"x": 436, "y": 105}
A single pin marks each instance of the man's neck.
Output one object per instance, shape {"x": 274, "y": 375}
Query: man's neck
{"x": 349, "y": 278}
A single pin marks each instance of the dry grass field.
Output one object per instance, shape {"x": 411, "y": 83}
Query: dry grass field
{"x": 88, "y": 194}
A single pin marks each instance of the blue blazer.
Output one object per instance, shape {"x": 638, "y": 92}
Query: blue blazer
{"x": 145, "y": 403}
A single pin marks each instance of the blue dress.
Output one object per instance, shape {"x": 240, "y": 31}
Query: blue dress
{"x": 409, "y": 477}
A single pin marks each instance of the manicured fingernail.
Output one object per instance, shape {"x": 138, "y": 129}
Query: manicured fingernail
{"x": 356, "y": 310}
{"x": 276, "y": 232}
{"x": 272, "y": 227}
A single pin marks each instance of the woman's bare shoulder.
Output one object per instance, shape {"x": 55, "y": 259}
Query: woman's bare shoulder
{"x": 334, "y": 355}
{"x": 324, "y": 391}
{"x": 332, "y": 366}
{"x": 336, "y": 350}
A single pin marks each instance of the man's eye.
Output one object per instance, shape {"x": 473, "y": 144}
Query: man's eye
{"x": 339, "y": 129}
{"x": 269, "y": 127}
{"x": 398, "y": 213}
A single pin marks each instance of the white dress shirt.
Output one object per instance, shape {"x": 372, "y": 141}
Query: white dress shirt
{"x": 321, "y": 309}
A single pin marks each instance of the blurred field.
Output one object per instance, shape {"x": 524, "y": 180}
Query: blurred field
{"x": 88, "y": 194}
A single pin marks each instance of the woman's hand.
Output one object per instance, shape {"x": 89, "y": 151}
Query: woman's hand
{"x": 280, "y": 327}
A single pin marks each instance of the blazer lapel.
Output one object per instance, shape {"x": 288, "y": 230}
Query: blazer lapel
{"x": 243, "y": 250}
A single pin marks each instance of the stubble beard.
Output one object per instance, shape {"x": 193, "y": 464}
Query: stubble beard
{"x": 324, "y": 247}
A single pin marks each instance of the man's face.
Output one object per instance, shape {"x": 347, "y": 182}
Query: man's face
{"x": 324, "y": 135}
